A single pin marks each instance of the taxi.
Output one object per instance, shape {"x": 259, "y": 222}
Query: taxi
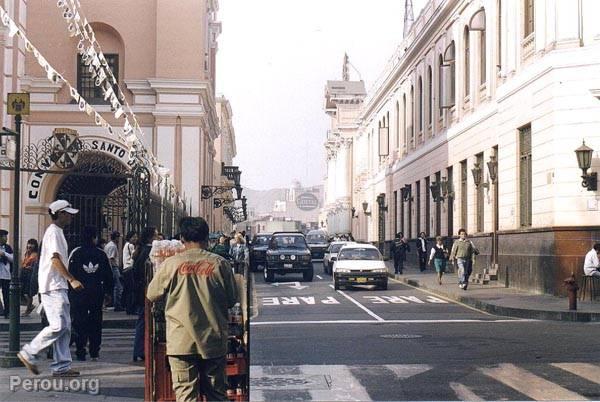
{"x": 359, "y": 264}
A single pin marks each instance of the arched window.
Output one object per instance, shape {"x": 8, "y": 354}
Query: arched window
{"x": 411, "y": 132}
{"x": 528, "y": 18}
{"x": 467, "y": 63}
{"x": 420, "y": 110}
{"x": 482, "y": 58}
{"x": 440, "y": 83}
{"x": 429, "y": 95}
{"x": 404, "y": 122}
{"x": 397, "y": 125}
{"x": 448, "y": 77}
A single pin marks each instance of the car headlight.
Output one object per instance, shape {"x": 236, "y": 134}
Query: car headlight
{"x": 343, "y": 270}
{"x": 293, "y": 258}
{"x": 379, "y": 270}
{"x": 305, "y": 257}
{"x": 282, "y": 257}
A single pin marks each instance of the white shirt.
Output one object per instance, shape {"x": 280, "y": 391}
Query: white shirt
{"x": 423, "y": 249}
{"x": 5, "y": 266}
{"x": 128, "y": 255}
{"x": 112, "y": 252}
{"x": 591, "y": 263}
{"x": 54, "y": 241}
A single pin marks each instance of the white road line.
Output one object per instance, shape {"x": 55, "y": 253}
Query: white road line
{"x": 530, "y": 384}
{"x": 463, "y": 393}
{"x": 372, "y": 314}
{"x": 319, "y": 276}
{"x": 464, "y": 321}
{"x": 588, "y": 371}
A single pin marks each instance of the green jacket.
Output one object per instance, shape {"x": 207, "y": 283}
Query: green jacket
{"x": 200, "y": 288}
{"x": 463, "y": 249}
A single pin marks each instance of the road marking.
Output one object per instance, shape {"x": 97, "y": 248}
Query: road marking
{"x": 530, "y": 384}
{"x": 295, "y": 301}
{"x": 404, "y": 371}
{"x": 293, "y": 285}
{"x": 319, "y": 276}
{"x": 459, "y": 321}
{"x": 463, "y": 393}
{"x": 372, "y": 314}
{"x": 585, "y": 370}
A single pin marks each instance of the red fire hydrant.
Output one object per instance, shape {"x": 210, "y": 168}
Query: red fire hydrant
{"x": 572, "y": 288}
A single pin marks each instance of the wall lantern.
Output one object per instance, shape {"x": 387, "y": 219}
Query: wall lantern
{"x": 365, "y": 207}
{"x": 381, "y": 203}
{"x": 493, "y": 168}
{"x": 584, "y": 160}
{"x": 354, "y": 214}
{"x": 436, "y": 194}
{"x": 405, "y": 192}
{"x": 446, "y": 188}
{"x": 478, "y": 176}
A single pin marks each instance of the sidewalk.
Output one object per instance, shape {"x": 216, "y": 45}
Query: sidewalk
{"x": 497, "y": 299}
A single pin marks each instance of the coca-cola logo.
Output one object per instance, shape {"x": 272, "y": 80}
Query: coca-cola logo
{"x": 307, "y": 202}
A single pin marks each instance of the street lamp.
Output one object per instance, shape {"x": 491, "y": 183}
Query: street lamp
{"x": 478, "y": 176}
{"x": 365, "y": 207}
{"x": 584, "y": 160}
{"x": 405, "y": 192}
{"x": 493, "y": 168}
{"x": 435, "y": 189}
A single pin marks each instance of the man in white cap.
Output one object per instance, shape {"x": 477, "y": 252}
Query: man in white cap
{"x": 53, "y": 280}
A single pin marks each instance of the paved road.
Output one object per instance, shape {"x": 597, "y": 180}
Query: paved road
{"x": 310, "y": 342}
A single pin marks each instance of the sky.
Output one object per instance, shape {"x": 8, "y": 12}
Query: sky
{"x": 274, "y": 59}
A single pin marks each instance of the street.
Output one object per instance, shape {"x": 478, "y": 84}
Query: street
{"x": 310, "y": 342}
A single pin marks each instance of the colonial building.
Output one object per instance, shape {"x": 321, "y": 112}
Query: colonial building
{"x": 474, "y": 123}
{"x": 163, "y": 59}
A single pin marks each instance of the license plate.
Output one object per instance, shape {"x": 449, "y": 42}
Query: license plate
{"x": 361, "y": 280}
{"x": 288, "y": 265}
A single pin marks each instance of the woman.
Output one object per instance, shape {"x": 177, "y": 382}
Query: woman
{"x": 141, "y": 258}
{"x": 239, "y": 253}
{"x": 439, "y": 256}
{"x": 29, "y": 262}
{"x": 131, "y": 241}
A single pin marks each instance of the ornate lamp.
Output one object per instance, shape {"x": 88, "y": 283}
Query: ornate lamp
{"x": 493, "y": 168}
{"x": 584, "y": 160}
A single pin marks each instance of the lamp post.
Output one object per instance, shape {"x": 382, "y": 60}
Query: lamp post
{"x": 584, "y": 160}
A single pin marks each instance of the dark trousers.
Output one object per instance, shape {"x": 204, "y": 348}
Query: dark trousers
{"x": 192, "y": 373}
{"x": 86, "y": 311}
{"x": 140, "y": 329}
{"x": 398, "y": 264}
{"x": 5, "y": 285}
{"x": 422, "y": 261}
{"x": 128, "y": 300}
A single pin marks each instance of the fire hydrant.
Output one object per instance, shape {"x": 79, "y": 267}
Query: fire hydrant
{"x": 572, "y": 288}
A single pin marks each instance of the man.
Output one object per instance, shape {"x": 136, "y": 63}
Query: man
{"x": 6, "y": 260}
{"x": 89, "y": 265}
{"x": 112, "y": 251}
{"x": 422, "y": 251}
{"x": 200, "y": 288}
{"x": 399, "y": 249}
{"x": 463, "y": 252}
{"x": 591, "y": 266}
{"x": 53, "y": 283}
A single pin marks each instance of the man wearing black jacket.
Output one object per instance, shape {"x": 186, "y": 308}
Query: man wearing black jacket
{"x": 6, "y": 260}
{"x": 90, "y": 266}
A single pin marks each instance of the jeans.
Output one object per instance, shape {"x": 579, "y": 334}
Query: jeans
{"x": 57, "y": 333}
{"x": 117, "y": 288}
{"x": 465, "y": 267}
{"x": 140, "y": 332}
{"x": 192, "y": 373}
{"x": 5, "y": 285}
{"x": 422, "y": 261}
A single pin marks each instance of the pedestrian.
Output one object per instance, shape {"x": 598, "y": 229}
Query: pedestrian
{"x": 29, "y": 261}
{"x": 131, "y": 241}
{"x": 422, "y": 251}
{"x": 591, "y": 265}
{"x": 160, "y": 236}
{"x": 90, "y": 266}
{"x": 6, "y": 260}
{"x": 400, "y": 248}
{"x": 239, "y": 253}
{"x": 53, "y": 282}
{"x": 463, "y": 253}
{"x": 199, "y": 288}
{"x": 439, "y": 256}
{"x": 141, "y": 261}
{"x": 221, "y": 249}
{"x": 112, "y": 251}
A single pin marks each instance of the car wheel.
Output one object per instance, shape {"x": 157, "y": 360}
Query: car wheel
{"x": 269, "y": 276}
{"x": 336, "y": 284}
{"x": 384, "y": 286}
{"x": 308, "y": 275}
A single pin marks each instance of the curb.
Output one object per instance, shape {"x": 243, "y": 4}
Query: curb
{"x": 572, "y": 316}
{"x": 112, "y": 324}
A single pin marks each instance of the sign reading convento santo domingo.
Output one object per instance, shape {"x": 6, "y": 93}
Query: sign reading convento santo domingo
{"x": 307, "y": 202}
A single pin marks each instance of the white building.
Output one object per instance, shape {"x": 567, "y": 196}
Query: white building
{"x": 504, "y": 91}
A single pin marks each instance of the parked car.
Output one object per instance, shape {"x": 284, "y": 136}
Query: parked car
{"x": 258, "y": 250}
{"x": 331, "y": 255}
{"x": 288, "y": 253}
{"x": 359, "y": 264}
{"x": 318, "y": 241}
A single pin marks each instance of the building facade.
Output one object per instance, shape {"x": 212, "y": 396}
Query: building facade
{"x": 474, "y": 123}
{"x": 225, "y": 148}
{"x": 164, "y": 61}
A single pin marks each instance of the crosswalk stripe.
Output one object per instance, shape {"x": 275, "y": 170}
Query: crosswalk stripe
{"x": 404, "y": 371}
{"x": 590, "y": 372}
{"x": 530, "y": 384}
{"x": 463, "y": 393}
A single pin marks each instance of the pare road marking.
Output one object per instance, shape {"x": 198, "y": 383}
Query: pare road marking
{"x": 403, "y": 300}
{"x": 292, "y": 285}
{"x": 295, "y": 301}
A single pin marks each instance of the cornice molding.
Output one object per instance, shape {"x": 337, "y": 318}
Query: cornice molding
{"x": 40, "y": 85}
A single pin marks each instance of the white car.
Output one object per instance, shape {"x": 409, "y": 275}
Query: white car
{"x": 331, "y": 255}
{"x": 359, "y": 264}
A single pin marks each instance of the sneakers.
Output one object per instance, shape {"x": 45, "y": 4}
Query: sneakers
{"x": 30, "y": 366}
{"x": 66, "y": 374}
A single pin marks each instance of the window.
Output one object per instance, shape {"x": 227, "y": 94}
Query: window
{"x": 525, "y": 175}
{"x": 438, "y": 208}
{"x": 529, "y": 18}
{"x": 427, "y": 205}
{"x": 463, "y": 195}
{"x": 448, "y": 77}
{"x": 395, "y": 215}
{"x": 397, "y": 125}
{"x": 450, "y": 204}
{"x": 405, "y": 123}
{"x": 412, "y": 117}
{"x": 482, "y": 58}
{"x": 429, "y": 95}
{"x": 440, "y": 84}
{"x": 499, "y": 35}
{"x": 410, "y": 202}
{"x": 402, "y": 228}
{"x": 86, "y": 82}
{"x": 418, "y": 207}
{"x": 467, "y": 62}
{"x": 480, "y": 195}
{"x": 420, "y": 110}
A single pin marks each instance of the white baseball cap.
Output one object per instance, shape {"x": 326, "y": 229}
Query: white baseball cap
{"x": 62, "y": 205}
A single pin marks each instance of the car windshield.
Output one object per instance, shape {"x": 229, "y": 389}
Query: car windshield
{"x": 335, "y": 248}
{"x": 359, "y": 254}
{"x": 287, "y": 242}
{"x": 316, "y": 238}
{"x": 261, "y": 241}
